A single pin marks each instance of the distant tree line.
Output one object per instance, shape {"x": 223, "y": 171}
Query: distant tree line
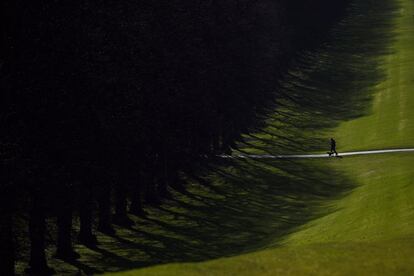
{"x": 106, "y": 105}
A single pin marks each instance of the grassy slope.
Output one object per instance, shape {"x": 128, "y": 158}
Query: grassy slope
{"x": 383, "y": 204}
{"x": 370, "y": 231}
{"x": 391, "y": 123}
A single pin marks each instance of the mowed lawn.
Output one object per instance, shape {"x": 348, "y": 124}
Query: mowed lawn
{"x": 391, "y": 121}
{"x": 370, "y": 231}
{"x": 382, "y": 206}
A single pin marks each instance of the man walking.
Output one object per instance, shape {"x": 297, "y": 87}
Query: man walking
{"x": 333, "y": 148}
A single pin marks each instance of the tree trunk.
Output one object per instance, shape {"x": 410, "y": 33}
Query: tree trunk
{"x": 151, "y": 194}
{"x": 149, "y": 181}
{"x": 6, "y": 240}
{"x": 104, "y": 202}
{"x": 120, "y": 217}
{"x": 37, "y": 227}
{"x": 64, "y": 248}
{"x": 163, "y": 179}
{"x": 86, "y": 236}
{"x": 177, "y": 183}
{"x": 136, "y": 200}
{"x": 7, "y": 203}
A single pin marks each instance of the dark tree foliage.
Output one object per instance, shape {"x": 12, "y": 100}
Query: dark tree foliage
{"x": 111, "y": 102}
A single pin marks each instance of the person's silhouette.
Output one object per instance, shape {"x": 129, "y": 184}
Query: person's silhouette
{"x": 333, "y": 148}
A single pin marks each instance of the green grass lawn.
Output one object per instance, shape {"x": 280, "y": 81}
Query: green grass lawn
{"x": 390, "y": 124}
{"x": 337, "y": 216}
{"x": 368, "y": 232}
{"x": 382, "y": 206}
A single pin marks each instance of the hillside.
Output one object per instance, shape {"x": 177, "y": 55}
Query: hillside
{"x": 336, "y": 216}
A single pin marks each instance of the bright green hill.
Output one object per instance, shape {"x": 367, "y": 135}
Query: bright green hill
{"x": 336, "y": 216}
{"x": 382, "y": 206}
{"x": 391, "y": 123}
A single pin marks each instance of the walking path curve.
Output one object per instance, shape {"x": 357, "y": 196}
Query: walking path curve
{"x": 325, "y": 155}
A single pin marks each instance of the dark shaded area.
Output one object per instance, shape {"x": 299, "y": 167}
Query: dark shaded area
{"x": 107, "y": 104}
{"x": 248, "y": 205}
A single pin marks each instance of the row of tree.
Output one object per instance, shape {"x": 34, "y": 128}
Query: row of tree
{"x": 113, "y": 102}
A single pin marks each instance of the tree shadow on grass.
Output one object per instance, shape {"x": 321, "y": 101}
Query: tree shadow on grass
{"x": 244, "y": 205}
{"x": 334, "y": 84}
{"x": 253, "y": 209}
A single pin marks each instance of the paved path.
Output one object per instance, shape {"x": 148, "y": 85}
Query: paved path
{"x": 268, "y": 156}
